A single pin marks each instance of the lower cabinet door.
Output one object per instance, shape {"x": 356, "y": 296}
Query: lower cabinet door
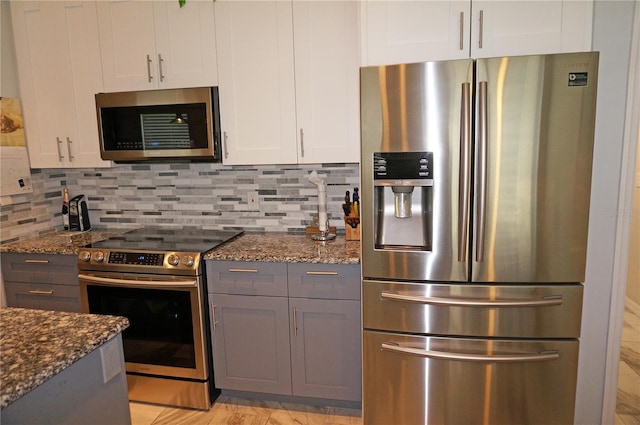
{"x": 325, "y": 348}
{"x": 251, "y": 343}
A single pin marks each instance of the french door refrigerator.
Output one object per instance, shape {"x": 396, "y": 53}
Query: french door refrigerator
{"x": 474, "y": 209}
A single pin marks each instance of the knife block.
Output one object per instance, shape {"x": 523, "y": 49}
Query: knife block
{"x": 352, "y": 228}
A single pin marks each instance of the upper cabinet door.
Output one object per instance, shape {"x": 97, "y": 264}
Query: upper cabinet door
{"x": 185, "y": 44}
{"x": 510, "y": 28}
{"x": 148, "y": 45}
{"x": 59, "y": 67}
{"x": 414, "y": 31}
{"x": 257, "y": 90}
{"x": 127, "y": 45}
{"x": 326, "y": 77}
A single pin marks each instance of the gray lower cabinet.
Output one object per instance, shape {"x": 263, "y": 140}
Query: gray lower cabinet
{"x": 41, "y": 281}
{"x": 291, "y": 329}
{"x": 251, "y": 343}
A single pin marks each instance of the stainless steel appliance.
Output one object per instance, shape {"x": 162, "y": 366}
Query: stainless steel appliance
{"x": 475, "y": 203}
{"x": 155, "y": 125}
{"x": 79, "y": 214}
{"x": 155, "y": 278}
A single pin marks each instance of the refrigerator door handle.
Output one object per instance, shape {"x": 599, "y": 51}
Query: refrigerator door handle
{"x": 547, "y": 301}
{"x": 465, "y": 167}
{"x": 481, "y": 207}
{"x": 493, "y": 358}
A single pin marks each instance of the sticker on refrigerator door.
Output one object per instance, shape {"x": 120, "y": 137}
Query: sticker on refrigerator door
{"x": 578, "y": 79}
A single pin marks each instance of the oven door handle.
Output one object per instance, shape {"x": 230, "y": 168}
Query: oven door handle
{"x": 130, "y": 283}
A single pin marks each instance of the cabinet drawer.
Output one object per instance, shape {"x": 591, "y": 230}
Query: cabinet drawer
{"x": 329, "y": 281}
{"x": 56, "y": 269}
{"x": 247, "y": 278}
{"x": 43, "y": 296}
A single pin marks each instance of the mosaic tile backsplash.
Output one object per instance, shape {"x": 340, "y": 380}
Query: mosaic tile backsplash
{"x": 200, "y": 195}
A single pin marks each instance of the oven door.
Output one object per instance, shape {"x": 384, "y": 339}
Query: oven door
{"x": 165, "y": 336}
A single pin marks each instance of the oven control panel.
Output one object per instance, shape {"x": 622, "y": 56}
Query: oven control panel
{"x": 121, "y": 260}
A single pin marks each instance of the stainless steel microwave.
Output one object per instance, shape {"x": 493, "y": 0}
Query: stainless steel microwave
{"x": 160, "y": 125}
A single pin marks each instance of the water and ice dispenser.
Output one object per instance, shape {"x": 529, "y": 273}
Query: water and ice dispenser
{"x": 403, "y": 200}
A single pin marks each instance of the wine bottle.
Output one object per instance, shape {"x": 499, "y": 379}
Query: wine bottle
{"x": 65, "y": 209}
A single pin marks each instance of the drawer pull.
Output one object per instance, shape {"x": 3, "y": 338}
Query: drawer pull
{"x": 41, "y": 292}
{"x": 243, "y": 270}
{"x": 37, "y": 261}
{"x": 322, "y": 273}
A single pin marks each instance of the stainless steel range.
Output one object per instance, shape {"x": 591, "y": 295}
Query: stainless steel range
{"x": 155, "y": 278}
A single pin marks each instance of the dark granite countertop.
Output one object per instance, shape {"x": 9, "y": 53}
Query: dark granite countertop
{"x": 285, "y": 247}
{"x": 58, "y": 242}
{"x": 35, "y": 345}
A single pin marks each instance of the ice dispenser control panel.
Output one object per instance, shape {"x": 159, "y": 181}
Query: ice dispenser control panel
{"x": 390, "y": 167}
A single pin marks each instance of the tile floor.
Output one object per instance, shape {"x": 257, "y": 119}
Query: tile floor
{"x": 628, "y": 401}
{"x": 237, "y": 411}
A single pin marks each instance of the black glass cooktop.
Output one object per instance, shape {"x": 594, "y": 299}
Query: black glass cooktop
{"x": 174, "y": 240}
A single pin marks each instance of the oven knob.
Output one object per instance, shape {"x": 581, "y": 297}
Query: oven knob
{"x": 173, "y": 259}
{"x": 84, "y": 256}
{"x": 188, "y": 260}
{"x": 99, "y": 257}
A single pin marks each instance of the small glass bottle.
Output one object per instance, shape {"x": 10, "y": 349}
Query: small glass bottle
{"x": 65, "y": 209}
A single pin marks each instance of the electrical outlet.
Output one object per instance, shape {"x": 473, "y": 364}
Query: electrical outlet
{"x": 253, "y": 201}
{"x": 110, "y": 358}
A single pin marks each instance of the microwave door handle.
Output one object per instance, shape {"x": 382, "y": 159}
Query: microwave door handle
{"x": 132, "y": 283}
{"x": 494, "y": 358}
{"x": 464, "y": 171}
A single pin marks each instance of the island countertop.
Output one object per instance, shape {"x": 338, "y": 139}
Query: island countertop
{"x": 35, "y": 345}
{"x": 285, "y": 247}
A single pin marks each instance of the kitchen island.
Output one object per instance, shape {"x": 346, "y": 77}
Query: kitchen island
{"x": 59, "y": 367}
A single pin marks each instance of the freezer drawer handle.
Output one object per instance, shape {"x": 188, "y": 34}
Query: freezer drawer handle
{"x": 443, "y": 355}
{"x": 544, "y": 302}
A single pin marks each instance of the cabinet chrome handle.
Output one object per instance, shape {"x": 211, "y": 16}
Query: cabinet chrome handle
{"x": 481, "y": 29}
{"x": 301, "y": 143}
{"x": 465, "y": 170}
{"x": 149, "y": 76}
{"x": 322, "y": 273}
{"x": 160, "y": 62}
{"x": 243, "y": 270}
{"x": 213, "y": 313}
{"x": 495, "y": 358}
{"x": 58, "y": 143}
{"x": 37, "y": 261}
{"x": 547, "y": 301}
{"x": 41, "y": 292}
{"x": 294, "y": 313}
{"x": 69, "y": 142}
{"x": 461, "y": 30}
{"x": 226, "y": 151}
{"x": 481, "y": 177}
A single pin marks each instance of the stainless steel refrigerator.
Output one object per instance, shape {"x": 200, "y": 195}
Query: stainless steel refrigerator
{"x": 474, "y": 211}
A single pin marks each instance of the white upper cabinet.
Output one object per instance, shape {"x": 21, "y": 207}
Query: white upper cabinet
{"x": 286, "y": 105}
{"x": 327, "y": 81}
{"x": 256, "y": 81}
{"x": 399, "y": 31}
{"x": 156, "y": 44}
{"x": 414, "y": 31}
{"x": 58, "y": 58}
{"x": 510, "y": 28}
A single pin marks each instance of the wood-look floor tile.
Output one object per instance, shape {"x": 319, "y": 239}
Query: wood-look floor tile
{"x": 629, "y": 419}
{"x": 144, "y": 414}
